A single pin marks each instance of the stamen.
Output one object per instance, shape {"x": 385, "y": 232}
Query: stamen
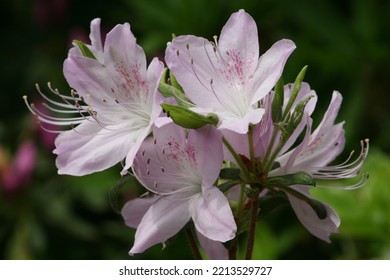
{"x": 215, "y": 37}
{"x": 346, "y": 169}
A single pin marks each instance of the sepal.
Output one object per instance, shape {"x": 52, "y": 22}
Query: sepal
{"x": 299, "y": 178}
{"x": 84, "y": 49}
{"x": 186, "y": 118}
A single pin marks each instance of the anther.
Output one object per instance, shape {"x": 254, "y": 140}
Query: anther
{"x": 155, "y": 184}
{"x": 177, "y": 52}
{"x": 116, "y": 101}
{"x": 143, "y": 153}
{"x": 215, "y": 37}
{"x": 192, "y": 61}
{"x": 188, "y": 46}
{"x": 148, "y": 161}
{"x": 155, "y": 141}
{"x": 162, "y": 169}
{"x": 147, "y": 171}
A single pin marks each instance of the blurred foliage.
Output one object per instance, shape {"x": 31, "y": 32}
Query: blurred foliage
{"x": 346, "y": 45}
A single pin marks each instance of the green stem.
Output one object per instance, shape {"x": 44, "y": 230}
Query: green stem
{"x": 240, "y": 204}
{"x": 251, "y": 147}
{"x": 194, "y": 246}
{"x": 252, "y": 228}
{"x": 267, "y": 162}
{"x": 242, "y": 166}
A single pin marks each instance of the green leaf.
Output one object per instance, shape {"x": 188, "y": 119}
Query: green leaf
{"x": 186, "y": 118}
{"x": 277, "y": 102}
{"x": 295, "y": 90}
{"x": 270, "y": 202}
{"x": 230, "y": 173}
{"x": 292, "y": 121}
{"x": 114, "y": 193}
{"x": 174, "y": 82}
{"x": 224, "y": 187}
{"x": 299, "y": 178}
{"x": 84, "y": 49}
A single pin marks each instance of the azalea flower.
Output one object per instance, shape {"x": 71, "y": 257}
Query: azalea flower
{"x": 116, "y": 99}
{"x": 180, "y": 170}
{"x": 227, "y": 77}
{"x": 313, "y": 156}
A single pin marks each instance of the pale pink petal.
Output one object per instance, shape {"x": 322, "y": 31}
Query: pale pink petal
{"x": 91, "y": 81}
{"x": 165, "y": 218}
{"x": 308, "y": 217}
{"x": 194, "y": 67}
{"x": 90, "y": 148}
{"x": 138, "y": 137}
{"x": 211, "y": 82}
{"x": 126, "y": 64}
{"x": 208, "y": 153}
{"x": 326, "y": 142}
{"x": 239, "y": 38}
{"x": 213, "y": 216}
{"x": 154, "y": 99}
{"x": 134, "y": 210}
{"x": 161, "y": 164}
{"x": 287, "y": 160}
{"x": 161, "y": 121}
{"x": 213, "y": 249}
{"x": 95, "y": 36}
{"x": 270, "y": 68}
{"x": 240, "y": 125}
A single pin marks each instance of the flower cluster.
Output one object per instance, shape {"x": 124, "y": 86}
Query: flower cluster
{"x": 213, "y": 138}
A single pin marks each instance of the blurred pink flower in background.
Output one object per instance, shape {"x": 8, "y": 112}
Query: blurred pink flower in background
{"x": 17, "y": 173}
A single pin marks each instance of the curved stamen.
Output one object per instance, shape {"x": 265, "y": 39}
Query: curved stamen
{"x": 363, "y": 180}
{"x": 344, "y": 170}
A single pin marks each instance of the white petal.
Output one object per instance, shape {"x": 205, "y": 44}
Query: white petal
{"x": 134, "y": 210}
{"x": 213, "y": 216}
{"x": 307, "y": 216}
{"x": 213, "y": 249}
{"x": 270, "y": 68}
{"x": 90, "y": 148}
{"x": 164, "y": 219}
